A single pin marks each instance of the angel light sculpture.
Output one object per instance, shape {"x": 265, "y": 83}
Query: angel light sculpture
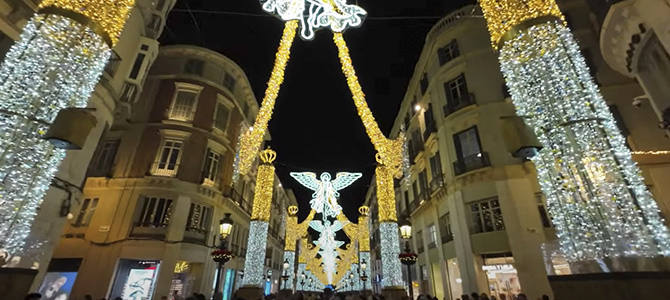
{"x": 316, "y": 14}
{"x": 324, "y": 198}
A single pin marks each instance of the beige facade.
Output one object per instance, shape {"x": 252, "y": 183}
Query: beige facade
{"x": 121, "y": 81}
{"x": 160, "y": 181}
{"x": 478, "y": 214}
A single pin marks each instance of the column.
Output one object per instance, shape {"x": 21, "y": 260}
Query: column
{"x": 595, "y": 193}
{"x": 54, "y": 65}
{"x": 388, "y": 228}
{"x": 258, "y": 229}
{"x": 468, "y": 267}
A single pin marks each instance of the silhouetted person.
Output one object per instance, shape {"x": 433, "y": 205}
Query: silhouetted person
{"x": 484, "y": 296}
{"x": 475, "y": 296}
{"x": 33, "y": 296}
{"x": 521, "y": 296}
{"x": 545, "y": 297}
{"x": 88, "y": 297}
{"x": 465, "y": 297}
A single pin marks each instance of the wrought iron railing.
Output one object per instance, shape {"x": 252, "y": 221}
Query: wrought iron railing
{"x": 471, "y": 163}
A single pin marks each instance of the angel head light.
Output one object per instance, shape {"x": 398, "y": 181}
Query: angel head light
{"x": 316, "y": 14}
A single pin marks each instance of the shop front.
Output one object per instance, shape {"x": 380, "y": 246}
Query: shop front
{"x": 455, "y": 280}
{"x": 502, "y": 277}
{"x": 135, "y": 279}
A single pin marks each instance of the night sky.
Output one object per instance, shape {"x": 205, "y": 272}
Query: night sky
{"x": 315, "y": 126}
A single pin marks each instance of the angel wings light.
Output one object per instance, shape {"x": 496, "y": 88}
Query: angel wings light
{"x": 316, "y": 14}
{"x": 324, "y": 198}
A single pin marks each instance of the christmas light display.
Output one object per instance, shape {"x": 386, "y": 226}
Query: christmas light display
{"x": 328, "y": 246}
{"x": 260, "y": 216}
{"x": 289, "y": 256}
{"x": 391, "y": 270}
{"x": 595, "y": 193}
{"x": 295, "y": 230}
{"x": 54, "y": 65}
{"x": 250, "y": 140}
{"x": 325, "y": 191}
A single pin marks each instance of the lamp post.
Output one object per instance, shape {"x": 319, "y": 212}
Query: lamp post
{"x": 311, "y": 283}
{"x": 302, "y": 280}
{"x": 407, "y": 258}
{"x": 222, "y": 255}
{"x": 285, "y": 276}
{"x": 364, "y": 277}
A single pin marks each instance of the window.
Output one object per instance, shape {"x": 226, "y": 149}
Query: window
{"x": 542, "y": 208}
{"x": 229, "y": 82}
{"x": 155, "y": 212}
{"x": 128, "y": 93}
{"x": 436, "y": 166}
{"x": 448, "y": 52}
{"x": 185, "y": 102}
{"x": 457, "y": 94}
{"x": 445, "y": 228}
{"x": 211, "y": 169}
{"x": 419, "y": 241}
{"x": 486, "y": 216}
{"x": 432, "y": 236}
{"x": 415, "y": 190}
{"x": 168, "y": 158}
{"x": 423, "y": 181}
{"x": 194, "y": 67}
{"x": 198, "y": 218}
{"x": 467, "y": 143}
{"x": 113, "y": 64}
{"x": 221, "y": 114}
{"x": 417, "y": 144}
{"x": 86, "y": 212}
{"x": 424, "y": 83}
{"x": 139, "y": 60}
{"x": 102, "y": 162}
{"x": 406, "y": 195}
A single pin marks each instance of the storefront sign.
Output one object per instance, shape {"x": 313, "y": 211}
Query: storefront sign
{"x": 504, "y": 267}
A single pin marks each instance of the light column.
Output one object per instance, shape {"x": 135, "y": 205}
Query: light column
{"x": 388, "y": 229}
{"x": 595, "y": 193}
{"x": 260, "y": 216}
{"x": 363, "y": 244}
{"x": 54, "y": 65}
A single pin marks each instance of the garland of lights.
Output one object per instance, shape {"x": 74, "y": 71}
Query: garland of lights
{"x": 595, "y": 193}
{"x": 55, "y": 64}
{"x": 324, "y": 199}
{"x": 260, "y": 215}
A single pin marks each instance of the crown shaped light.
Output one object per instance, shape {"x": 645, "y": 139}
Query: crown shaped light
{"x": 292, "y": 210}
{"x": 364, "y": 210}
{"x": 268, "y": 156}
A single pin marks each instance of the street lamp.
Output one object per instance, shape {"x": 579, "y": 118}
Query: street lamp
{"x": 364, "y": 277}
{"x": 311, "y": 283}
{"x": 222, "y": 255}
{"x": 407, "y": 258}
{"x": 285, "y": 276}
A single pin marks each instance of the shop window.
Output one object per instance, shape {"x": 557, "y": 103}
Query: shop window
{"x": 445, "y": 228}
{"x": 194, "y": 67}
{"x": 136, "y": 279}
{"x": 155, "y": 213}
{"x": 542, "y": 208}
{"x": 501, "y": 274}
{"x": 221, "y": 115}
{"x": 86, "y": 212}
{"x": 448, "y": 52}
{"x": 211, "y": 168}
{"x": 198, "y": 222}
{"x": 102, "y": 162}
{"x": 487, "y": 216}
{"x": 432, "y": 236}
{"x": 168, "y": 158}
{"x": 184, "y": 102}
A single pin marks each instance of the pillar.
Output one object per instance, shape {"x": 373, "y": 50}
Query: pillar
{"x": 258, "y": 230}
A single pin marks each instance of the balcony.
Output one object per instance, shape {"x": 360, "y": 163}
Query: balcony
{"x": 195, "y": 235}
{"x": 149, "y": 230}
{"x": 208, "y": 182}
{"x": 464, "y": 101}
{"x": 239, "y": 199}
{"x": 113, "y": 64}
{"x": 437, "y": 183}
{"x": 447, "y": 238}
{"x": 471, "y": 163}
{"x": 430, "y": 129}
{"x": 164, "y": 169}
{"x": 180, "y": 113}
{"x": 416, "y": 147}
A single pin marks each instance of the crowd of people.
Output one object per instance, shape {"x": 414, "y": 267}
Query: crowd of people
{"x": 484, "y": 296}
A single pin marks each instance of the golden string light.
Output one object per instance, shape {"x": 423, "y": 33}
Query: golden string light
{"x": 251, "y": 140}
{"x": 108, "y": 15}
{"x": 364, "y": 229}
{"x": 656, "y": 152}
{"x": 503, "y": 16}
{"x": 385, "y": 194}
{"x": 295, "y": 230}
{"x": 390, "y": 150}
{"x": 264, "y": 187}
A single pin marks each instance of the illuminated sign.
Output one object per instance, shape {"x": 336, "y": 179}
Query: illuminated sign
{"x": 504, "y": 267}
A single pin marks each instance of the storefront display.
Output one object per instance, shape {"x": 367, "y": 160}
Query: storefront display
{"x": 57, "y": 285}
{"x": 455, "y": 281}
{"x": 502, "y": 277}
{"x": 135, "y": 279}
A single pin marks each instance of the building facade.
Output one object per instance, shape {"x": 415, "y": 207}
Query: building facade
{"x": 160, "y": 181}
{"x": 477, "y": 212}
{"x": 122, "y": 80}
